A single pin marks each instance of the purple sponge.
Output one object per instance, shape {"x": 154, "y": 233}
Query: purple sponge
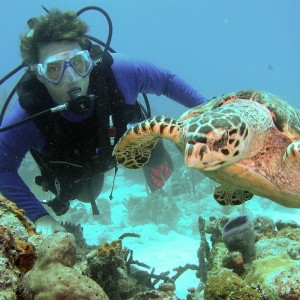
{"x": 238, "y": 235}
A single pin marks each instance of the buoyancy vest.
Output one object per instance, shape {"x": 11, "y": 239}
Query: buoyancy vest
{"x": 74, "y": 150}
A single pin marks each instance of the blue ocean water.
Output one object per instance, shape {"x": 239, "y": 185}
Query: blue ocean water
{"x": 218, "y": 46}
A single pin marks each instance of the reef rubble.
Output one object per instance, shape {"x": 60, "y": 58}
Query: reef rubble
{"x": 62, "y": 266}
{"x": 34, "y": 266}
{"x": 272, "y": 272}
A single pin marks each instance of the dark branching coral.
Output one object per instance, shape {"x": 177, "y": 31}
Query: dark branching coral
{"x": 203, "y": 252}
{"x": 108, "y": 266}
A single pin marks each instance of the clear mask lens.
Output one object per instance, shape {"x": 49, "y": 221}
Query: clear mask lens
{"x": 54, "y": 69}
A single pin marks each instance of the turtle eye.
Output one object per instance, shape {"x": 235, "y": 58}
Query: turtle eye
{"x": 221, "y": 142}
{"x": 225, "y": 137}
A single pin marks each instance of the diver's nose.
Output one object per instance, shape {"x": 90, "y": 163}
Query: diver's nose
{"x": 70, "y": 75}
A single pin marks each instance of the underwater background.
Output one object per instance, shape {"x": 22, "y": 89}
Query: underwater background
{"x": 218, "y": 46}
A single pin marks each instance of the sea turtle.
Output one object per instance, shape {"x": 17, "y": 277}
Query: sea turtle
{"x": 248, "y": 142}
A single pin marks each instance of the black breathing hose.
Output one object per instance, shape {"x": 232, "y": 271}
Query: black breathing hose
{"x": 25, "y": 120}
{"x": 11, "y": 73}
{"x": 99, "y": 42}
{"x": 110, "y": 28}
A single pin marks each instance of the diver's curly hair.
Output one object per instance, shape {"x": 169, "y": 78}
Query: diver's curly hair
{"x": 53, "y": 27}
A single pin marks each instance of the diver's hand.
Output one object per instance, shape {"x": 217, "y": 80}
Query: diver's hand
{"x": 48, "y": 225}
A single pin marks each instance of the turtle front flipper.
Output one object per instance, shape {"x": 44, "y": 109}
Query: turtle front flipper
{"x": 133, "y": 150}
{"x": 230, "y": 196}
{"x": 292, "y": 155}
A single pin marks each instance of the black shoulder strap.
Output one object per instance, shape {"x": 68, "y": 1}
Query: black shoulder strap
{"x": 123, "y": 112}
{"x": 104, "y": 82}
{"x": 99, "y": 87}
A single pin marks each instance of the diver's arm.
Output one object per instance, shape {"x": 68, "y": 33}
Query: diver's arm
{"x": 137, "y": 76}
{"x": 14, "y": 144}
{"x": 14, "y": 189}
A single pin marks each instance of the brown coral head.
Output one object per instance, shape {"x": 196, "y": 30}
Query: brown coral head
{"x": 58, "y": 248}
{"x": 8, "y": 243}
{"x": 26, "y": 256}
{"x": 11, "y": 208}
{"x": 167, "y": 287}
{"x": 112, "y": 249}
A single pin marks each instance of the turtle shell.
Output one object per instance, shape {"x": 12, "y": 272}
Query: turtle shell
{"x": 263, "y": 174}
{"x": 285, "y": 117}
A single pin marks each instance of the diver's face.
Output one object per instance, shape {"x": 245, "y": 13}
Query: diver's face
{"x": 58, "y": 52}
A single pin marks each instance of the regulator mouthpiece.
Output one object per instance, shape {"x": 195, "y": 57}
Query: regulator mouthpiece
{"x": 79, "y": 104}
{"x": 74, "y": 92}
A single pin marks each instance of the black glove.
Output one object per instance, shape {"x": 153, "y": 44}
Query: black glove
{"x": 59, "y": 206}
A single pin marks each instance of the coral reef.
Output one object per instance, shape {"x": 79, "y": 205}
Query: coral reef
{"x": 273, "y": 273}
{"x": 281, "y": 245}
{"x": 215, "y": 227}
{"x": 52, "y": 268}
{"x": 26, "y": 255}
{"x": 9, "y": 273}
{"x": 234, "y": 260}
{"x": 218, "y": 252}
{"x": 155, "y": 294}
{"x": 166, "y": 291}
{"x": 111, "y": 266}
{"x": 14, "y": 218}
{"x": 290, "y": 233}
{"x": 280, "y": 224}
{"x": 17, "y": 253}
{"x": 53, "y": 277}
{"x": 263, "y": 227}
{"x": 228, "y": 285}
{"x": 50, "y": 272}
{"x": 278, "y": 276}
{"x": 203, "y": 252}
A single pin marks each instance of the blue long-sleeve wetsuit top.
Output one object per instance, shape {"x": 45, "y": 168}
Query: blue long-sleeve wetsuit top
{"x": 132, "y": 76}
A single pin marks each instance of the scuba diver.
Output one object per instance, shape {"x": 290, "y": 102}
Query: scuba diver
{"x": 75, "y": 101}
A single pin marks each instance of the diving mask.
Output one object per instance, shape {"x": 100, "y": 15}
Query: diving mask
{"x": 77, "y": 64}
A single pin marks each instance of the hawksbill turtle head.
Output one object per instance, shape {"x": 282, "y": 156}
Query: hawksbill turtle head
{"x": 224, "y": 136}
{"x": 212, "y": 139}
